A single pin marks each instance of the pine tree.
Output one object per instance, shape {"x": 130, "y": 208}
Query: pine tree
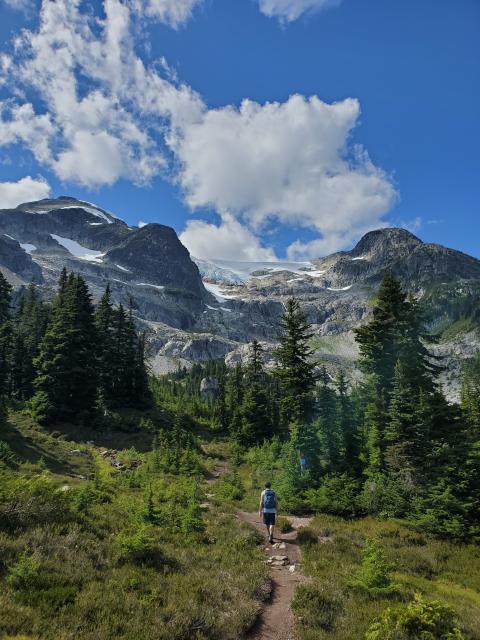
{"x": 30, "y": 324}
{"x": 66, "y": 382}
{"x": 380, "y": 340}
{"x": 234, "y": 392}
{"x": 104, "y": 318}
{"x": 5, "y": 339}
{"x": 254, "y": 409}
{"x": 347, "y": 427}
{"x": 295, "y": 369}
{"x": 327, "y": 424}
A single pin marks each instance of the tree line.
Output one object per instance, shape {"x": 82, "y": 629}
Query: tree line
{"x": 68, "y": 360}
{"x": 391, "y": 445}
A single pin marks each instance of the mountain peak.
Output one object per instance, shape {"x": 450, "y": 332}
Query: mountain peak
{"x": 382, "y": 240}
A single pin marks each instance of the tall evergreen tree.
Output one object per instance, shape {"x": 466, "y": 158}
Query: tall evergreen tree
{"x": 256, "y": 424}
{"x": 295, "y": 369}
{"x": 348, "y": 427}
{"x": 5, "y": 339}
{"x": 30, "y": 324}
{"x": 327, "y": 424}
{"x": 66, "y": 382}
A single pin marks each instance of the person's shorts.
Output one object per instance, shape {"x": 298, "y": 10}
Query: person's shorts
{"x": 269, "y": 519}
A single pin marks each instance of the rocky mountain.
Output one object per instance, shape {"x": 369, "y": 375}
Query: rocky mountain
{"x": 148, "y": 265}
{"x": 200, "y": 309}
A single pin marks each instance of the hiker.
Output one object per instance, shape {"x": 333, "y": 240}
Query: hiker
{"x": 303, "y": 462}
{"x": 268, "y": 509}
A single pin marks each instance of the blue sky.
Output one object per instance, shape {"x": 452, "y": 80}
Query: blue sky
{"x": 382, "y": 127}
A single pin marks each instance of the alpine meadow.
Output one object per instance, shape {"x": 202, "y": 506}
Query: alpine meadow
{"x": 240, "y": 359}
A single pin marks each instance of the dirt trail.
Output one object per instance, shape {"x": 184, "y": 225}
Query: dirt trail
{"x": 276, "y": 621}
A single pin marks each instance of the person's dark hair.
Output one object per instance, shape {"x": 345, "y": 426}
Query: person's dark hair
{"x": 268, "y": 485}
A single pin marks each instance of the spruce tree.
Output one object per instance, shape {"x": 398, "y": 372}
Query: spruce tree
{"x": 66, "y": 382}
{"x": 104, "y": 318}
{"x": 5, "y": 340}
{"x": 347, "y": 427}
{"x": 327, "y": 424}
{"x": 295, "y": 369}
{"x": 30, "y": 324}
{"x": 254, "y": 410}
{"x": 380, "y": 340}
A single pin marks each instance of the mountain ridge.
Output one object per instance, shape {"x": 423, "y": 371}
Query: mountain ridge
{"x": 189, "y": 319}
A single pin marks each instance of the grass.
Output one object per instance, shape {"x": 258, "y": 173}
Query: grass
{"x": 441, "y": 570}
{"x": 122, "y": 555}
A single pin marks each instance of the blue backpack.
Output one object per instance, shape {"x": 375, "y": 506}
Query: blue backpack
{"x": 269, "y": 501}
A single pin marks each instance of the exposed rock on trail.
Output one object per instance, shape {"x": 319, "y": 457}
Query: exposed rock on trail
{"x": 276, "y": 621}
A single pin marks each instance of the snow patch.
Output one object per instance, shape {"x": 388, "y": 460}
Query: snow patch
{"x": 77, "y": 250}
{"x": 239, "y": 272}
{"x": 123, "y": 268}
{"x": 217, "y": 291}
{"x": 341, "y": 289}
{"x": 28, "y": 248}
{"x": 147, "y": 284}
{"x": 92, "y": 209}
{"x": 359, "y": 258}
{"x": 6, "y": 234}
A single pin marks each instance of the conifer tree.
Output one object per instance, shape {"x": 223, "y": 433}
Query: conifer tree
{"x": 295, "y": 370}
{"x": 255, "y": 418}
{"x": 347, "y": 427}
{"x": 5, "y": 338}
{"x": 104, "y": 318}
{"x": 327, "y": 424}
{"x": 66, "y": 382}
{"x": 380, "y": 340}
{"x": 29, "y": 327}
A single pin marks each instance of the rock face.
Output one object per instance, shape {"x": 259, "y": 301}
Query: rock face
{"x": 189, "y": 320}
{"x": 209, "y": 387}
{"x": 148, "y": 265}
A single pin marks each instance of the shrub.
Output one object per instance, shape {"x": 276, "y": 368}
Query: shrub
{"x": 25, "y": 573}
{"x": 137, "y": 546}
{"x": 306, "y": 535}
{"x": 284, "y": 525}
{"x": 337, "y": 495}
{"x": 6, "y": 454}
{"x": 314, "y": 608}
{"x": 428, "y": 620}
{"x": 230, "y": 488}
{"x": 30, "y": 501}
{"x": 375, "y": 573}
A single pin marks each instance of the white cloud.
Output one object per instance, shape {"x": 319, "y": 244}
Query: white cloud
{"x": 19, "y": 5}
{"x": 102, "y": 114}
{"x": 24, "y": 190}
{"x": 289, "y": 161}
{"x": 142, "y": 224}
{"x": 230, "y": 240}
{"x": 172, "y": 12}
{"x": 110, "y": 124}
{"x": 290, "y": 10}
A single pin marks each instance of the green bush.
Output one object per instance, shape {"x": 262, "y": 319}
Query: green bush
{"x": 337, "y": 495}
{"x": 419, "y": 620}
{"x": 138, "y": 546}
{"x": 25, "y": 573}
{"x": 375, "y": 573}
{"x": 6, "y": 454}
{"x": 284, "y": 525}
{"x": 316, "y": 609}
{"x": 306, "y": 535}
{"x": 25, "y": 502}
